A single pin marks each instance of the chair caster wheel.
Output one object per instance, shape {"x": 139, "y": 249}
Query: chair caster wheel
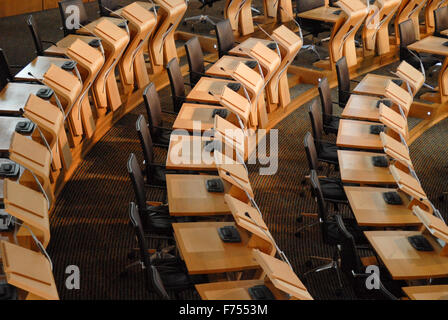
{"x": 308, "y": 264}
{"x": 299, "y": 219}
{"x": 297, "y": 235}
{"x": 338, "y": 292}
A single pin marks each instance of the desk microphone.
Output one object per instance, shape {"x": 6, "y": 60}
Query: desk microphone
{"x": 58, "y": 102}
{"x": 92, "y": 34}
{"x": 242, "y": 126}
{"x": 153, "y": 7}
{"x": 244, "y": 87}
{"x": 125, "y": 20}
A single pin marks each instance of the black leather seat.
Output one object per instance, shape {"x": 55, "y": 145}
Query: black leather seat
{"x": 224, "y": 37}
{"x": 328, "y": 151}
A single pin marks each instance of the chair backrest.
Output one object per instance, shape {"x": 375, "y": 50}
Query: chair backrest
{"x": 224, "y": 37}
{"x": 325, "y": 100}
{"x": 343, "y": 75}
{"x": 176, "y": 83}
{"x": 138, "y": 182}
{"x": 35, "y": 34}
{"x": 316, "y": 121}
{"x": 311, "y": 153}
{"x": 407, "y": 33}
{"x": 321, "y": 205}
{"x": 66, "y": 14}
{"x": 306, "y": 5}
{"x": 108, "y": 4}
{"x": 440, "y": 20}
{"x": 146, "y": 143}
{"x": 5, "y": 72}
{"x": 153, "y": 109}
{"x": 350, "y": 260}
{"x": 195, "y": 59}
{"x": 152, "y": 277}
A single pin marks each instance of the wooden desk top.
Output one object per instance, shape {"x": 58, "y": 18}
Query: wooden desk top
{"x": 431, "y": 45}
{"x": 61, "y": 46}
{"x": 370, "y": 209}
{"x": 434, "y": 292}
{"x": 200, "y": 92}
{"x": 234, "y": 290}
{"x": 444, "y": 32}
{"x": 181, "y": 155}
{"x": 325, "y": 14}
{"x": 357, "y": 167}
{"x": 7, "y": 129}
{"x": 205, "y": 253}
{"x": 360, "y": 107}
{"x": 14, "y": 96}
{"x": 188, "y": 196}
{"x": 246, "y": 45}
{"x": 373, "y": 84}
{"x": 228, "y": 63}
{"x": 402, "y": 260}
{"x": 38, "y": 67}
{"x": 356, "y": 134}
{"x": 88, "y": 29}
{"x": 146, "y": 5}
{"x": 193, "y": 112}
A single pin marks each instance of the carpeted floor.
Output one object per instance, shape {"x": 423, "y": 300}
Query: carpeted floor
{"x": 89, "y": 225}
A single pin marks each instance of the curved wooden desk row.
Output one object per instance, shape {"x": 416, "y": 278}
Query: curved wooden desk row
{"x": 367, "y": 203}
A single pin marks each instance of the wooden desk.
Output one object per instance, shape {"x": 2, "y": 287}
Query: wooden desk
{"x": 88, "y": 29}
{"x": 434, "y": 292}
{"x": 60, "y": 49}
{"x": 370, "y": 209}
{"x": 246, "y": 45}
{"x": 361, "y": 107}
{"x": 146, "y": 5}
{"x": 7, "y": 129}
{"x": 38, "y": 67}
{"x": 434, "y": 45}
{"x": 228, "y": 63}
{"x": 29, "y": 271}
{"x": 14, "y": 96}
{"x": 182, "y": 154}
{"x": 205, "y": 253}
{"x": 373, "y": 84}
{"x": 234, "y": 290}
{"x": 200, "y": 92}
{"x": 201, "y": 114}
{"x": 402, "y": 260}
{"x": 357, "y": 167}
{"x": 188, "y": 196}
{"x": 324, "y": 14}
{"x": 356, "y": 134}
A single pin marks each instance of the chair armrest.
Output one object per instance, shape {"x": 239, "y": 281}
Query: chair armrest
{"x": 50, "y": 42}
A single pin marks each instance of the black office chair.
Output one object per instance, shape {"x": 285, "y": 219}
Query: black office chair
{"x": 6, "y": 75}
{"x": 408, "y": 37}
{"x": 355, "y": 271}
{"x": 441, "y": 21}
{"x": 177, "y": 84}
{"x": 162, "y": 275}
{"x": 312, "y": 27}
{"x": 343, "y": 75}
{"x": 66, "y": 17}
{"x": 38, "y": 42}
{"x": 195, "y": 58}
{"x": 326, "y": 151}
{"x": 224, "y": 37}
{"x": 155, "y": 173}
{"x": 159, "y": 134}
{"x": 202, "y": 18}
{"x": 331, "y": 122}
{"x": 332, "y": 188}
{"x": 329, "y": 231}
{"x": 108, "y": 6}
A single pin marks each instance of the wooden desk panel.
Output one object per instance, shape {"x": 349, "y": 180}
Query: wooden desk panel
{"x": 357, "y": 167}
{"x": 325, "y": 14}
{"x": 200, "y": 113}
{"x": 434, "y": 292}
{"x": 61, "y": 46}
{"x": 146, "y": 5}
{"x": 88, "y": 29}
{"x": 7, "y": 129}
{"x": 373, "y": 84}
{"x": 370, "y": 209}
{"x": 247, "y": 45}
{"x": 228, "y": 63}
{"x": 356, "y": 134}
{"x": 15, "y": 95}
{"x": 431, "y": 45}
{"x": 360, "y": 107}
{"x": 205, "y": 253}
{"x": 234, "y": 290}
{"x": 200, "y": 92}
{"x": 402, "y": 260}
{"x": 38, "y": 67}
{"x": 188, "y": 196}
